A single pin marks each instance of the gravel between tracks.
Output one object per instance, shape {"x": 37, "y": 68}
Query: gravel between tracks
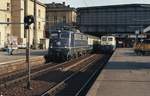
{"x": 39, "y": 84}
{"x": 21, "y": 90}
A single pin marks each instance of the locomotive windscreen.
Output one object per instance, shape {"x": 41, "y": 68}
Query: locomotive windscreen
{"x": 60, "y": 39}
{"x": 54, "y": 35}
{"x": 64, "y": 35}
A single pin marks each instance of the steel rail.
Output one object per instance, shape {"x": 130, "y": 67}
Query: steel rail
{"x": 42, "y": 71}
{"x": 21, "y": 71}
{"x": 96, "y": 72}
{"x": 62, "y": 83}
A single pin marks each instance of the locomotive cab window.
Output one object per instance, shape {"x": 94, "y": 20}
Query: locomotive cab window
{"x": 110, "y": 39}
{"x": 64, "y": 35}
{"x": 77, "y": 37}
{"x": 104, "y": 39}
{"x": 54, "y": 35}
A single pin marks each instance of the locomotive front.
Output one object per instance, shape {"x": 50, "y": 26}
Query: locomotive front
{"x": 59, "y": 45}
{"x": 108, "y": 44}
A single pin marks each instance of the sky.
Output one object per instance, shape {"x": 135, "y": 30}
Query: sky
{"x": 88, "y": 3}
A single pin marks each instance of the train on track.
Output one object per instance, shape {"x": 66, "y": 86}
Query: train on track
{"x": 67, "y": 44}
{"x": 108, "y": 44}
{"x": 142, "y": 46}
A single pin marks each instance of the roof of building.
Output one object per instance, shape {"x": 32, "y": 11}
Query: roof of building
{"x": 61, "y": 6}
{"x": 116, "y": 6}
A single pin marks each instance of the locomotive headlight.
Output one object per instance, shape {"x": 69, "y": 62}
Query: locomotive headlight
{"x": 58, "y": 43}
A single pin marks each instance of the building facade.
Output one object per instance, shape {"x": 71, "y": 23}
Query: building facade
{"x": 18, "y": 16}
{"x": 58, "y": 15}
{"x": 5, "y": 17}
{"x": 113, "y": 19}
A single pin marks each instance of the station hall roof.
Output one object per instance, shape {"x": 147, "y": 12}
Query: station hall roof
{"x": 115, "y": 6}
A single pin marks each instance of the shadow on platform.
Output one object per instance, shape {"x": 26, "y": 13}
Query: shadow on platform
{"x": 134, "y": 54}
{"x": 128, "y": 65}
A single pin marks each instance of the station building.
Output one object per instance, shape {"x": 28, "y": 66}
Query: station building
{"x": 17, "y": 15}
{"x": 58, "y": 15}
{"x": 120, "y": 20}
{"x": 5, "y": 16}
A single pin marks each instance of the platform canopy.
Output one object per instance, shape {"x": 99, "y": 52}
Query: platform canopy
{"x": 147, "y": 30}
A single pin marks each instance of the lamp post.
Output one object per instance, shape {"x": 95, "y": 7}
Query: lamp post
{"x": 137, "y": 32}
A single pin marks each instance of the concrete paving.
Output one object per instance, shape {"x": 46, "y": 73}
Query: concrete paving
{"x": 19, "y": 54}
{"x": 125, "y": 75}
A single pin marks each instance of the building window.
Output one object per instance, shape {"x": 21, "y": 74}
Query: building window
{"x": 39, "y": 25}
{"x": 0, "y": 38}
{"x": 64, "y": 19}
{"x": 39, "y": 13}
{"x": 8, "y": 6}
{"x": 55, "y": 19}
{"x": 8, "y": 21}
{"x": 25, "y": 34}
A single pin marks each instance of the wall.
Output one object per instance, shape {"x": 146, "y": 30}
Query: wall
{"x": 4, "y": 16}
{"x": 18, "y": 16}
{"x": 59, "y": 17}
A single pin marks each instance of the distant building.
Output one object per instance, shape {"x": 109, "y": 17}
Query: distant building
{"x": 58, "y": 15}
{"x": 18, "y": 16}
{"x": 5, "y": 17}
{"x": 113, "y": 19}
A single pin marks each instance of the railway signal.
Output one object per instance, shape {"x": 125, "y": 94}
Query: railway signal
{"x": 28, "y": 20}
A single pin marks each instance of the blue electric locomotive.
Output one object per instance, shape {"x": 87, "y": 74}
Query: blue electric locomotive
{"x": 66, "y": 44}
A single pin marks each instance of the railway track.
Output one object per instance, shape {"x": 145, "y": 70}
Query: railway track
{"x": 78, "y": 83}
{"x": 48, "y": 83}
{"x": 20, "y": 64}
{"x": 14, "y": 69}
{"x": 9, "y": 78}
{"x": 21, "y": 75}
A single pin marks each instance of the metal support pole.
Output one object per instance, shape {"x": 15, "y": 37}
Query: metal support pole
{"x": 28, "y": 61}
{"x": 136, "y": 33}
{"x": 25, "y": 30}
{"x": 136, "y": 40}
{"x": 35, "y": 45}
{"x": 1, "y": 93}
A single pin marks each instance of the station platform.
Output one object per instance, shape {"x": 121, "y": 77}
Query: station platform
{"x": 19, "y": 54}
{"x": 124, "y": 75}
